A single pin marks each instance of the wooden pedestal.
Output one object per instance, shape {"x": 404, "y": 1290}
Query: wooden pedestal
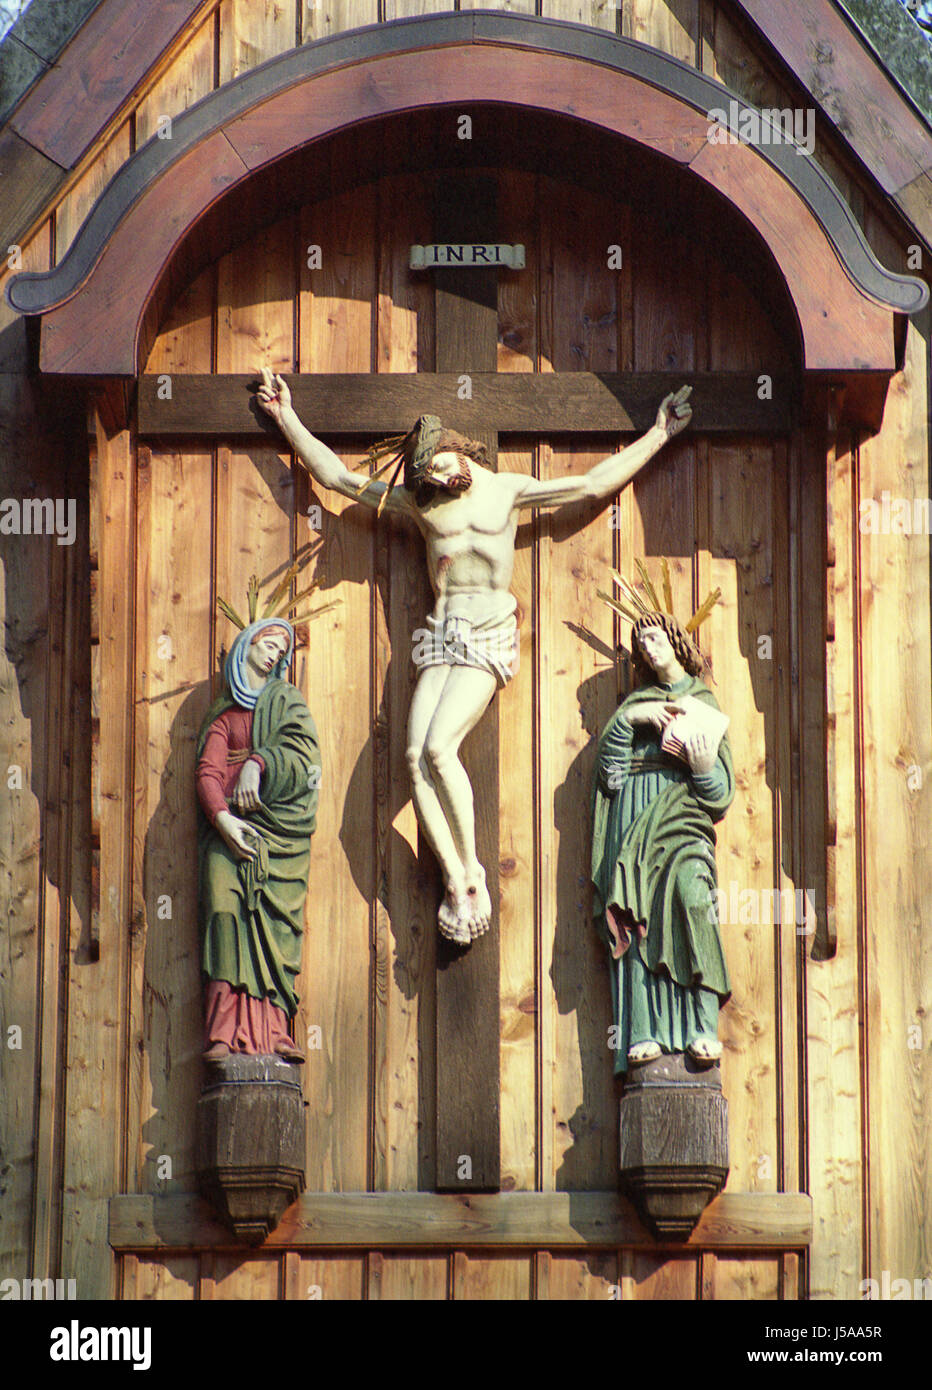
{"x": 251, "y": 1142}
{"x": 674, "y": 1142}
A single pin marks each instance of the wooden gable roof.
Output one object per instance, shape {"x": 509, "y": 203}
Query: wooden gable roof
{"x": 64, "y": 84}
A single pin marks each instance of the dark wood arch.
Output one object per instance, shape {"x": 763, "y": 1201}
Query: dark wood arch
{"x": 93, "y": 305}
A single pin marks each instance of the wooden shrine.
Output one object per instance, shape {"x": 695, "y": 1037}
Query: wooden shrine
{"x": 272, "y": 227}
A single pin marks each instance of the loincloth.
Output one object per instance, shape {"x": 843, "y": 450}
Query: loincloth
{"x": 488, "y": 645}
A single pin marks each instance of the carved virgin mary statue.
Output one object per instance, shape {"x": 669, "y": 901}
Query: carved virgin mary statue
{"x": 664, "y": 777}
{"x": 257, "y": 777}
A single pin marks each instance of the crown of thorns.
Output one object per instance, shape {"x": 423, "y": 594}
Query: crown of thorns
{"x": 631, "y": 606}
{"x": 278, "y": 603}
{"x": 413, "y": 452}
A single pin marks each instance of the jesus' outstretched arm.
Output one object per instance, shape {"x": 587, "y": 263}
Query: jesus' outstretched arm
{"x": 320, "y": 461}
{"x": 612, "y": 473}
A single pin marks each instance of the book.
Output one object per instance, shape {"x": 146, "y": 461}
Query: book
{"x": 696, "y": 717}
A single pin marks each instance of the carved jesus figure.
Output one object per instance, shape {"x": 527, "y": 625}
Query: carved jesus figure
{"x": 468, "y": 516}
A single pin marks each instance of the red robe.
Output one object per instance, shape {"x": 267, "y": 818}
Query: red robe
{"x": 231, "y": 1015}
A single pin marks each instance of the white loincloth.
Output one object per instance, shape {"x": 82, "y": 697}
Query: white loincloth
{"x": 490, "y": 644}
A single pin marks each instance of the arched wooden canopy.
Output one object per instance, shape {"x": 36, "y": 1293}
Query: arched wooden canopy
{"x": 94, "y": 304}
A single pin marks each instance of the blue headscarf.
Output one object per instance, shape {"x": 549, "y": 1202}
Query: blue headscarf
{"x": 235, "y": 667}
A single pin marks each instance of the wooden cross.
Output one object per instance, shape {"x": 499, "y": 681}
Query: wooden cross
{"x": 468, "y": 1072}
{"x": 467, "y": 1110}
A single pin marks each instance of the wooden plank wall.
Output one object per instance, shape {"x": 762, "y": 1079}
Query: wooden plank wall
{"x": 205, "y": 519}
{"x": 820, "y": 1081}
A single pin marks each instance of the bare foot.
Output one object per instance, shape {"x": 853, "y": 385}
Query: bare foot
{"x": 453, "y": 917}
{"x": 644, "y": 1052}
{"x": 480, "y": 904}
{"x": 705, "y": 1049}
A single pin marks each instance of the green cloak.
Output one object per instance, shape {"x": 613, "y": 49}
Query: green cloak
{"x": 653, "y": 861}
{"x": 253, "y": 911}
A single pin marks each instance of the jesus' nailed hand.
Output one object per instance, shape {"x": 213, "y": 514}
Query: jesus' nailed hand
{"x": 468, "y": 516}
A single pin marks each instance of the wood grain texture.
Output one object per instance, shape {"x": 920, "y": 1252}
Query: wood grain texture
{"x": 568, "y": 1279}
{"x": 495, "y": 1276}
{"x": 100, "y": 69}
{"x": 468, "y": 982}
{"x": 326, "y": 1277}
{"x": 576, "y": 554}
{"x": 740, "y": 525}
{"x": 895, "y": 657}
{"x": 97, "y": 992}
{"x": 251, "y": 31}
{"x": 398, "y": 1220}
{"x": 741, "y": 1278}
{"x": 240, "y": 1277}
{"x": 417, "y": 1278}
{"x": 836, "y": 1173}
{"x": 670, "y": 25}
{"x": 516, "y": 401}
{"x": 646, "y": 1277}
{"x": 601, "y": 14}
{"x": 818, "y": 44}
{"x": 174, "y": 624}
{"x": 336, "y": 331}
{"x": 30, "y": 180}
{"x": 188, "y": 78}
{"x": 318, "y": 21}
{"x": 82, "y": 196}
{"x": 173, "y": 1278}
{"x": 521, "y": 985}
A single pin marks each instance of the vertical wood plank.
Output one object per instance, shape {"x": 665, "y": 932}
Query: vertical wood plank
{"x": 255, "y": 304}
{"x": 336, "y": 323}
{"x": 95, "y": 1099}
{"x": 468, "y": 981}
{"x": 240, "y": 1277}
{"x": 171, "y": 1278}
{"x": 174, "y": 620}
{"x": 601, "y": 14}
{"x": 517, "y": 754}
{"x": 670, "y": 25}
{"x": 741, "y": 527}
{"x": 319, "y": 20}
{"x": 744, "y": 1278}
{"x": 660, "y": 1277}
{"x": 419, "y": 1277}
{"x": 405, "y": 926}
{"x": 325, "y": 1277}
{"x": 576, "y": 553}
{"x": 77, "y": 203}
{"x": 833, "y": 1045}
{"x": 518, "y": 289}
{"x": 593, "y": 1278}
{"x": 897, "y": 800}
{"x": 189, "y": 77}
{"x": 496, "y": 1277}
{"x": 252, "y": 31}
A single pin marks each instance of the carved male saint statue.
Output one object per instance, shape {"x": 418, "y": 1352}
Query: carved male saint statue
{"x": 664, "y": 778}
{"x": 468, "y": 516}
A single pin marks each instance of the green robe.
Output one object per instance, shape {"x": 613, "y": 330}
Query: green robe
{"x": 653, "y": 862}
{"x": 253, "y": 911}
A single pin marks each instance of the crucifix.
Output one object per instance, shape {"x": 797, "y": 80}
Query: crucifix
{"x": 468, "y": 514}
